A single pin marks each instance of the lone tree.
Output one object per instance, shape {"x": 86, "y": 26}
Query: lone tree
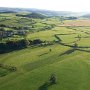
{"x": 75, "y": 45}
{"x": 52, "y": 79}
{"x": 50, "y": 49}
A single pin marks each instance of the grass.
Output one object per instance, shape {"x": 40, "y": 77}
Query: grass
{"x": 36, "y": 64}
{"x": 71, "y": 74}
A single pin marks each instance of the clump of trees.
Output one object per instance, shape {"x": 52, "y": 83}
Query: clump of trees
{"x": 71, "y": 18}
{"x": 5, "y": 69}
{"x": 17, "y": 45}
{"x": 10, "y": 68}
{"x": 13, "y": 45}
{"x": 3, "y": 25}
{"x": 48, "y": 27}
{"x": 35, "y": 42}
{"x": 33, "y": 15}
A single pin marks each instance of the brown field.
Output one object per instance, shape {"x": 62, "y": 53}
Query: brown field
{"x": 76, "y": 23}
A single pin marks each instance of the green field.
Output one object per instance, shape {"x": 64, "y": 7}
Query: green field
{"x": 71, "y": 66}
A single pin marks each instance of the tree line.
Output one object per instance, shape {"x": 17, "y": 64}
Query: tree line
{"x": 17, "y": 45}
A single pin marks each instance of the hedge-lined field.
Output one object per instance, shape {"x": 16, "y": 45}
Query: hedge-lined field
{"x": 69, "y": 62}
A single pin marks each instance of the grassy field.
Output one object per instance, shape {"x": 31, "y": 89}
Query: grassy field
{"x": 36, "y": 64}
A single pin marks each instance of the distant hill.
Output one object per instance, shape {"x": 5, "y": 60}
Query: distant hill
{"x": 86, "y": 16}
{"x": 33, "y": 15}
{"x": 45, "y": 12}
{"x": 6, "y": 10}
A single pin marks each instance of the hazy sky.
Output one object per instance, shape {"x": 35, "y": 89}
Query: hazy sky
{"x": 59, "y": 5}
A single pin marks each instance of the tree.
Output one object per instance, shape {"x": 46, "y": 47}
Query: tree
{"x": 75, "y": 45}
{"x": 37, "y": 41}
{"x": 52, "y": 79}
{"x": 2, "y": 30}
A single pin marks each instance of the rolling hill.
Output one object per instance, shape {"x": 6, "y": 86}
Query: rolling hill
{"x": 45, "y": 12}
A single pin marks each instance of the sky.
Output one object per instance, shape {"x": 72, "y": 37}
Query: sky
{"x": 57, "y": 5}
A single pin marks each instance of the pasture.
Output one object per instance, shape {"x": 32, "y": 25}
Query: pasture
{"x": 71, "y": 65}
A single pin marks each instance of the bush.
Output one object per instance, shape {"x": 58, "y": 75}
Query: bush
{"x": 12, "y": 69}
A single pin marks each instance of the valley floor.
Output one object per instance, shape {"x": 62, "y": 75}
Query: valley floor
{"x": 70, "y": 64}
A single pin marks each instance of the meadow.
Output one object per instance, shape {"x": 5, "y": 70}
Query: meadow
{"x": 70, "y": 64}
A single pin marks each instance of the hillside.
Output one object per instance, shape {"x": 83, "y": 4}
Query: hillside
{"x": 33, "y": 10}
{"x": 86, "y": 16}
{"x": 41, "y": 11}
{"x": 33, "y": 15}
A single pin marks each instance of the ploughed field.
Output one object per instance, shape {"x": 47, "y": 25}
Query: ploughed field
{"x": 79, "y": 22}
{"x": 69, "y": 62}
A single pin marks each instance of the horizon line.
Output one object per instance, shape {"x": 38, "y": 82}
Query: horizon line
{"x": 45, "y": 9}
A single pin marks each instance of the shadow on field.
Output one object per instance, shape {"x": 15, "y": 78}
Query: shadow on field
{"x": 43, "y": 87}
{"x": 68, "y": 51}
{"x": 83, "y": 50}
{"x": 84, "y": 46}
{"x": 46, "y": 85}
{"x": 43, "y": 54}
{"x": 73, "y": 50}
